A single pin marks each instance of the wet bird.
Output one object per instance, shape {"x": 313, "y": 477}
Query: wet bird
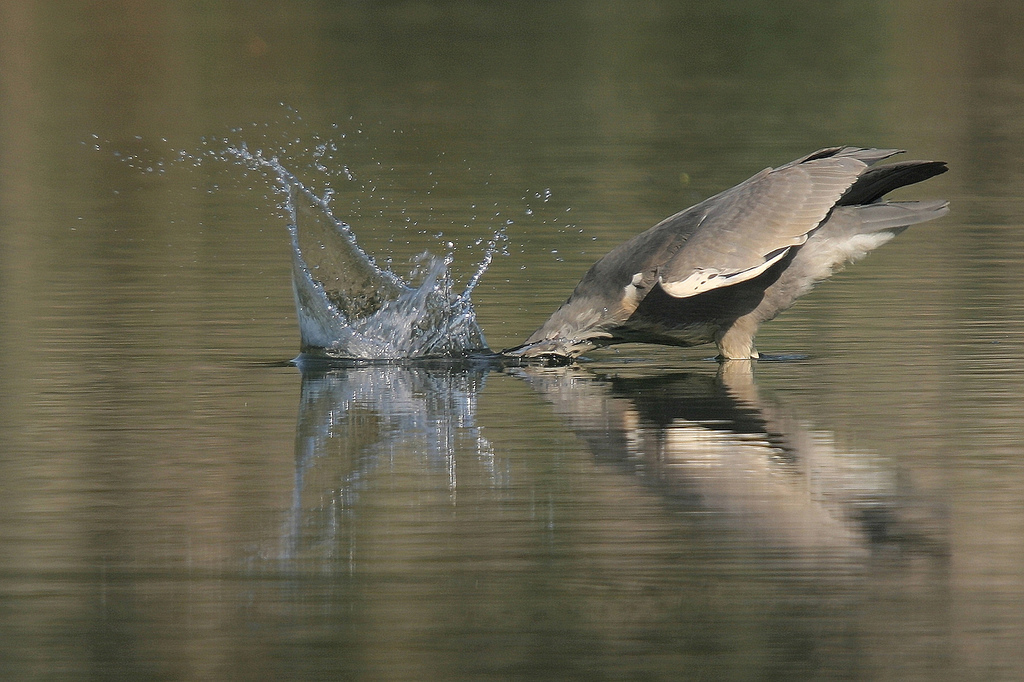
{"x": 716, "y": 271}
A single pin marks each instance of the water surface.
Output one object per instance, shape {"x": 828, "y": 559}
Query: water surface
{"x": 181, "y": 503}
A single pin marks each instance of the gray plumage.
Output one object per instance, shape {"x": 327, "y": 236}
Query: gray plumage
{"x": 716, "y": 271}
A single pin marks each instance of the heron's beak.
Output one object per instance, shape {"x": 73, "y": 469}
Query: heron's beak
{"x": 554, "y": 351}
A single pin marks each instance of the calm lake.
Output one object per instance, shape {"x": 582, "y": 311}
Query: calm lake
{"x": 180, "y": 502}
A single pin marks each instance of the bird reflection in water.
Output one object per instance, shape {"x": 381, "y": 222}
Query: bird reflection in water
{"x": 711, "y": 444}
{"x": 707, "y": 443}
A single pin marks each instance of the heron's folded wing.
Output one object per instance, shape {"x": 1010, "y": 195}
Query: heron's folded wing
{"x": 747, "y": 229}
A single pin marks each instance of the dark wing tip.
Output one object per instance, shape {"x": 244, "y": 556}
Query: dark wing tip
{"x": 876, "y": 182}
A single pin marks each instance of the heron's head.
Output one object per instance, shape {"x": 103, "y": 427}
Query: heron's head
{"x": 572, "y": 330}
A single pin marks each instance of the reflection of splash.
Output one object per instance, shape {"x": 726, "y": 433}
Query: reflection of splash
{"x": 710, "y": 444}
{"x": 350, "y": 307}
{"x": 367, "y": 415}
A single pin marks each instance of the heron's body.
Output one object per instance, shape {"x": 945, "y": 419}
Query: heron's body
{"x": 716, "y": 271}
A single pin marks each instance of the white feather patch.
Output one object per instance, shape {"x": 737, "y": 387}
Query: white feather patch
{"x": 706, "y": 279}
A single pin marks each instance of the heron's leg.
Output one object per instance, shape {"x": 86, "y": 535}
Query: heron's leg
{"x": 736, "y": 341}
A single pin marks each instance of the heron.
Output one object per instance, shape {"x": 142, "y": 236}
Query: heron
{"x": 717, "y": 270}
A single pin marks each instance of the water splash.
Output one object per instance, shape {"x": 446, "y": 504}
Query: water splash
{"x": 348, "y": 306}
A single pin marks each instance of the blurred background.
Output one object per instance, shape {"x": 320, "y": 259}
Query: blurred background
{"x": 163, "y": 512}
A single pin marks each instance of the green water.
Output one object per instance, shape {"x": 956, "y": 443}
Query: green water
{"x": 179, "y": 503}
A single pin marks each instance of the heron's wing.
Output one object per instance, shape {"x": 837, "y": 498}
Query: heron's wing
{"x": 747, "y": 229}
